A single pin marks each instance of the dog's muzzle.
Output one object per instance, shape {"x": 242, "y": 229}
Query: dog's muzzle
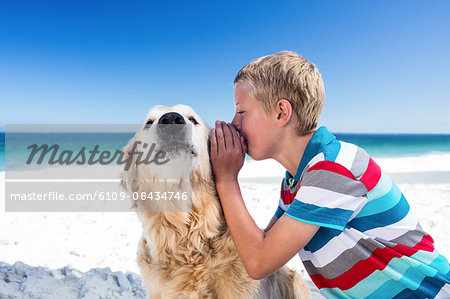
{"x": 174, "y": 135}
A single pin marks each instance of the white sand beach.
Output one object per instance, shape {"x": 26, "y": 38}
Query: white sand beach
{"x": 88, "y": 240}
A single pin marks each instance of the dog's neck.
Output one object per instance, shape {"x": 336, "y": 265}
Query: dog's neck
{"x": 169, "y": 232}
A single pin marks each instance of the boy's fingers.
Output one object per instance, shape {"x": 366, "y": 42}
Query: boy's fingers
{"x": 227, "y": 136}
{"x": 219, "y": 137}
{"x": 234, "y": 133}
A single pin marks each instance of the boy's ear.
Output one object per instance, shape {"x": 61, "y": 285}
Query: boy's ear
{"x": 284, "y": 111}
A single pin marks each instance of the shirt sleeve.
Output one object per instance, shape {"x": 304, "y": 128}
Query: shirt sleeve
{"x": 281, "y": 206}
{"x": 280, "y": 210}
{"x": 328, "y": 196}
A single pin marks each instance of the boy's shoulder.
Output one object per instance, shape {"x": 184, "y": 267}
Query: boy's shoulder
{"x": 340, "y": 157}
{"x": 328, "y": 161}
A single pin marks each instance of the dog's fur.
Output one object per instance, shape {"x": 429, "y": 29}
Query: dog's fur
{"x": 191, "y": 254}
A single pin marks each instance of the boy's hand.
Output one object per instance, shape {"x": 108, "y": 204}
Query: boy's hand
{"x": 227, "y": 152}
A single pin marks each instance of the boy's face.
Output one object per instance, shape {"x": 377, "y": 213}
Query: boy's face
{"x": 252, "y": 122}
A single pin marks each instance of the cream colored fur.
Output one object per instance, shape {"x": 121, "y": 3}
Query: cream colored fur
{"x": 191, "y": 254}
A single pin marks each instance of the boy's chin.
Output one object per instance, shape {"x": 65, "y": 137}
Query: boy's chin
{"x": 256, "y": 156}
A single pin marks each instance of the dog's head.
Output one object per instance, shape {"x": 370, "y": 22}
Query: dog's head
{"x": 168, "y": 148}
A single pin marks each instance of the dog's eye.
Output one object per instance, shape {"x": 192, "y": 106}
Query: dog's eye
{"x": 193, "y": 120}
{"x": 149, "y": 122}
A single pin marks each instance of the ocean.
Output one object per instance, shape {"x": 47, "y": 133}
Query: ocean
{"x": 377, "y": 145}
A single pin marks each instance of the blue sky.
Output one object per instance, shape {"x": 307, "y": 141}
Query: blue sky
{"x": 385, "y": 64}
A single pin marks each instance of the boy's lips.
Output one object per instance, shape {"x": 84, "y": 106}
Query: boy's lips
{"x": 245, "y": 140}
{"x": 241, "y": 134}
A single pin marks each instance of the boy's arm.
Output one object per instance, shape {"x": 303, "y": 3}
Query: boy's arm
{"x": 262, "y": 254}
{"x": 271, "y": 223}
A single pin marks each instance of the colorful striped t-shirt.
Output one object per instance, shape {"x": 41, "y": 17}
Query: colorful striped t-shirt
{"x": 369, "y": 244}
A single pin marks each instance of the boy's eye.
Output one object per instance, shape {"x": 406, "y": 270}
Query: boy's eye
{"x": 240, "y": 112}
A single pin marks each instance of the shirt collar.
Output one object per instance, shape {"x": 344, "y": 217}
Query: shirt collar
{"x": 316, "y": 144}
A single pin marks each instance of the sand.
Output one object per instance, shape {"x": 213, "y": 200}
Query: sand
{"x": 83, "y": 241}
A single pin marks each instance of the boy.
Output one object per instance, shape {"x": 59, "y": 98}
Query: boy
{"x": 351, "y": 225}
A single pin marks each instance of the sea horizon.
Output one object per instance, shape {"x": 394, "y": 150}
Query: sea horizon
{"x": 377, "y": 145}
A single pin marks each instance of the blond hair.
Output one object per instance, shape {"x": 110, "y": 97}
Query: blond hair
{"x": 286, "y": 75}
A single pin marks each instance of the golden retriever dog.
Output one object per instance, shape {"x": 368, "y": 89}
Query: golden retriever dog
{"x": 186, "y": 249}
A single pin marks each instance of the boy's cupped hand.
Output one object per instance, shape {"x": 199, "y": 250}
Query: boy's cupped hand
{"x": 227, "y": 152}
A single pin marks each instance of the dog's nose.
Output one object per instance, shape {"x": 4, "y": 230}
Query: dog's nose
{"x": 171, "y": 118}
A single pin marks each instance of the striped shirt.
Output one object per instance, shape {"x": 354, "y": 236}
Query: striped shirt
{"x": 369, "y": 244}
